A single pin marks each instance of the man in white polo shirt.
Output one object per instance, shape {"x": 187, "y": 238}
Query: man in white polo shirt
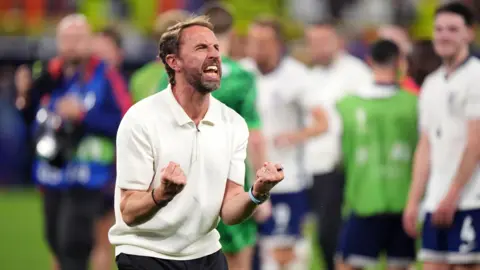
{"x": 181, "y": 163}
{"x": 448, "y": 153}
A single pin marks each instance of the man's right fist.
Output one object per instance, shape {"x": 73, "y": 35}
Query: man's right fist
{"x": 173, "y": 180}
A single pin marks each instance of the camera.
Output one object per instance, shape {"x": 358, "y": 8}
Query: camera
{"x": 56, "y": 139}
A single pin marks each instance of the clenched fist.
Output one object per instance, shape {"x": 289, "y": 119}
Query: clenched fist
{"x": 173, "y": 180}
{"x": 267, "y": 177}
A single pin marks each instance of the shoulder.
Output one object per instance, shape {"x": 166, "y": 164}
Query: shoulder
{"x": 473, "y": 68}
{"x": 230, "y": 117}
{"x": 292, "y": 64}
{"x": 144, "y": 111}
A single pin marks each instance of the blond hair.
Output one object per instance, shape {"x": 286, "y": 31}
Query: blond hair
{"x": 170, "y": 40}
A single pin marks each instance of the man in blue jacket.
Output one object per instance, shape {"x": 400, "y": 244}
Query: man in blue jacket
{"x": 75, "y": 107}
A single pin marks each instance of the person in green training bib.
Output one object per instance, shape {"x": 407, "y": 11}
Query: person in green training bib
{"x": 237, "y": 91}
{"x": 144, "y": 81}
{"x": 378, "y": 125}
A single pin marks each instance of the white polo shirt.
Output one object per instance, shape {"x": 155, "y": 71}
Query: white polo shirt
{"x": 156, "y": 131}
{"x": 346, "y": 75}
{"x": 446, "y": 106}
{"x": 281, "y": 106}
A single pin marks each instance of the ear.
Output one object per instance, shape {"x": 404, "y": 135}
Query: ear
{"x": 471, "y": 34}
{"x": 369, "y": 61}
{"x": 173, "y": 62}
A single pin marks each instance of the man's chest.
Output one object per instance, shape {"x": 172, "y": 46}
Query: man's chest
{"x": 204, "y": 152}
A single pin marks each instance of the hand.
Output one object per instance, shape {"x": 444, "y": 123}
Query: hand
{"x": 267, "y": 177}
{"x": 23, "y": 82}
{"x": 263, "y": 212}
{"x": 70, "y": 108}
{"x": 173, "y": 180}
{"x": 443, "y": 216}
{"x": 286, "y": 140}
{"x": 410, "y": 217}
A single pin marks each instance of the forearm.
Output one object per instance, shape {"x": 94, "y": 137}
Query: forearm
{"x": 137, "y": 207}
{"x": 318, "y": 126}
{"x": 421, "y": 171}
{"x": 237, "y": 209}
{"x": 256, "y": 149}
{"x": 468, "y": 164}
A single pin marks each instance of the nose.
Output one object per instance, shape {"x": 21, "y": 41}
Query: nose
{"x": 213, "y": 53}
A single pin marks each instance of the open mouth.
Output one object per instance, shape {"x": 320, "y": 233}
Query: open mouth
{"x": 211, "y": 71}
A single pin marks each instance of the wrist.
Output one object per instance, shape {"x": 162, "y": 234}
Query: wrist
{"x": 256, "y": 197}
{"x": 453, "y": 193}
{"x": 158, "y": 199}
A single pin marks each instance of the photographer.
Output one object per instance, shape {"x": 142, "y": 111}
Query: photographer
{"x": 75, "y": 106}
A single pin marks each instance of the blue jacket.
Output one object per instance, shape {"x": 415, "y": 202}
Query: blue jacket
{"x": 105, "y": 96}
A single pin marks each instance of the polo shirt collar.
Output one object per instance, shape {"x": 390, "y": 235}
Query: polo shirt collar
{"x": 212, "y": 116}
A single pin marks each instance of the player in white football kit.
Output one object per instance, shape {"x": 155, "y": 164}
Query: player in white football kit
{"x": 448, "y": 153}
{"x": 282, "y": 85}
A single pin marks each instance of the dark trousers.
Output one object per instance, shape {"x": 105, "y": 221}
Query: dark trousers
{"x": 326, "y": 199}
{"x": 70, "y": 217}
{"x": 215, "y": 261}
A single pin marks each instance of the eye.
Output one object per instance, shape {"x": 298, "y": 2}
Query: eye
{"x": 201, "y": 47}
{"x": 217, "y": 47}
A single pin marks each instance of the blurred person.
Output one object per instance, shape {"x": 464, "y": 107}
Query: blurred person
{"x": 237, "y": 91}
{"x": 144, "y": 82}
{"x": 166, "y": 218}
{"x": 400, "y": 36}
{"x": 107, "y": 44}
{"x": 447, "y": 155}
{"x": 378, "y": 126}
{"x": 75, "y": 105}
{"x": 282, "y": 84}
{"x": 331, "y": 66}
{"x": 423, "y": 60}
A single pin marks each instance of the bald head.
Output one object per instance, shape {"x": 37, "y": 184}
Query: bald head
{"x": 73, "y": 38}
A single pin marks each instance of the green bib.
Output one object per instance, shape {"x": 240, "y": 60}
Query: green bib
{"x": 378, "y": 143}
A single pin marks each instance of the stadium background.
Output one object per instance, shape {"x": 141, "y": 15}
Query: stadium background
{"x": 26, "y": 35}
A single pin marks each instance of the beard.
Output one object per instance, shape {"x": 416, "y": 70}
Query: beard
{"x": 196, "y": 79}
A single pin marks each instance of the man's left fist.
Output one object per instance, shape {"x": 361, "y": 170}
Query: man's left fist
{"x": 267, "y": 177}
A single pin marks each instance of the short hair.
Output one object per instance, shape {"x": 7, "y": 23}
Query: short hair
{"x": 167, "y": 19}
{"x": 220, "y": 17}
{"x": 273, "y": 23}
{"x": 459, "y": 9}
{"x": 170, "y": 40}
{"x": 114, "y": 35}
{"x": 384, "y": 52}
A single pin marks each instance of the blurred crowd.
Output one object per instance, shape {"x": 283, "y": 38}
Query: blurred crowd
{"x": 330, "y": 38}
{"x": 28, "y": 30}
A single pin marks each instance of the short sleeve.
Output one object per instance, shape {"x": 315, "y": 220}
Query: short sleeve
{"x": 135, "y": 162}
{"x": 472, "y": 107}
{"x": 249, "y": 109}
{"x": 236, "y": 172}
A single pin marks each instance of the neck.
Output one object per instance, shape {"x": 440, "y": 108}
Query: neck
{"x": 453, "y": 62}
{"x": 194, "y": 103}
{"x": 328, "y": 61}
{"x": 270, "y": 64}
{"x": 384, "y": 76}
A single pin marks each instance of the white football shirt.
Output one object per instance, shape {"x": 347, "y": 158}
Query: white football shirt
{"x": 281, "y": 106}
{"x": 446, "y": 106}
{"x": 346, "y": 75}
{"x": 156, "y": 131}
